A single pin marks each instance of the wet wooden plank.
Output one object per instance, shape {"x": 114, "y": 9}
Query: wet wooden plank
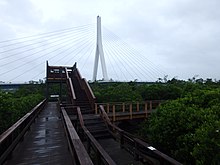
{"x": 45, "y": 143}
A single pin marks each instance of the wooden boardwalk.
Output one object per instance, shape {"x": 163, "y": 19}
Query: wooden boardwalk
{"x": 45, "y": 143}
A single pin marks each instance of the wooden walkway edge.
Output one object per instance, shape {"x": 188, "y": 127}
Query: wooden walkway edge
{"x": 45, "y": 143}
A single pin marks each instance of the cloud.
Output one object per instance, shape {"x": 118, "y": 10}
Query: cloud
{"x": 180, "y": 36}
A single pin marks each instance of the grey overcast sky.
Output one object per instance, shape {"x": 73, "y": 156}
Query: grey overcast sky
{"x": 180, "y": 36}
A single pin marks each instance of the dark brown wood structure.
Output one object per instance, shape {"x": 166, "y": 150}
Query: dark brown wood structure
{"x": 87, "y": 128}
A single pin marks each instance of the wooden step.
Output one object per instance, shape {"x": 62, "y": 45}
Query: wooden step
{"x": 104, "y": 135}
{"x": 94, "y": 128}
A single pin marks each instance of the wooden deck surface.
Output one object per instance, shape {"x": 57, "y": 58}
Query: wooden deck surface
{"x": 45, "y": 143}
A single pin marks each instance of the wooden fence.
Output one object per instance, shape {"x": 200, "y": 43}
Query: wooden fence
{"x": 128, "y": 110}
{"x": 138, "y": 148}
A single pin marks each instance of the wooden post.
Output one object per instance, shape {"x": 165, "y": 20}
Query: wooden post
{"x": 96, "y": 108}
{"x": 123, "y": 107}
{"x": 130, "y": 109}
{"x": 145, "y": 108}
{"x": 150, "y": 105}
{"x": 107, "y": 107}
{"x": 113, "y": 109}
{"x": 47, "y": 90}
{"x": 137, "y": 106}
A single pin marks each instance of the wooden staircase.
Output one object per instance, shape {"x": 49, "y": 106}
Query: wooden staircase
{"x": 102, "y": 139}
{"x": 96, "y": 126}
{"x": 94, "y": 123}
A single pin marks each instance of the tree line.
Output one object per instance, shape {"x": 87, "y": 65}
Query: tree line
{"x": 14, "y": 105}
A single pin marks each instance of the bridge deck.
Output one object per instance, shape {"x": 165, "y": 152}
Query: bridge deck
{"x": 45, "y": 143}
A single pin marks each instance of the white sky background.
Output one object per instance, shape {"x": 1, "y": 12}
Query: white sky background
{"x": 181, "y": 36}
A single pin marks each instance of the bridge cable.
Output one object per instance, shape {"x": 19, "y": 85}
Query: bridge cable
{"x": 37, "y": 47}
{"x": 115, "y": 49}
{"x": 130, "y": 51}
{"x": 44, "y": 34}
{"x": 135, "y": 52}
{"x": 30, "y": 69}
{"x": 29, "y": 62}
{"x": 42, "y": 50}
{"x": 112, "y": 51}
{"x": 121, "y": 51}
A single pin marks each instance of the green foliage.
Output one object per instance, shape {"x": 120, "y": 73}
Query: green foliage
{"x": 133, "y": 91}
{"x": 116, "y": 92}
{"x": 188, "y": 128}
{"x": 161, "y": 92}
{"x": 30, "y": 89}
{"x": 15, "y": 105}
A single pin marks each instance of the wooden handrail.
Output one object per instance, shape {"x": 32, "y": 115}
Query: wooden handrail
{"x": 78, "y": 73}
{"x": 78, "y": 151}
{"x": 132, "y": 110}
{"x": 127, "y": 139}
{"x": 80, "y": 117}
{"x": 103, "y": 156}
{"x": 89, "y": 89}
{"x": 70, "y": 85}
{"x": 83, "y": 85}
{"x": 71, "y": 89}
{"x": 158, "y": 153}
{"x": 11, "y": 137}
{"x": 104, "y": 114}
{"x": 129, "y": 102}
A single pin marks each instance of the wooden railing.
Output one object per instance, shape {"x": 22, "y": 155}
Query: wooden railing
{"x": 10, "y": 138}
{"x": 55, "y": 73}
{"x": 78, "y": 152}
{"x": 85, "y": 86}
{"x": 70, "y": 87}
{"x": 100, "y": 157}
{"x": 116, "y": 109}
{"x": 89, "y": 92}
{"x": 138, "y": 148}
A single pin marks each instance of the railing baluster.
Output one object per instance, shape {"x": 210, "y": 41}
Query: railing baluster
{"x": 145, "y": 108}
{"x": 137, "y": 106}
{"x": 150, "y": 105}
{"x": 113, "y": 109}
{"x": 130, "y": 109}
{"x": 107, "y": 107}
{"x": 96, "y": 109}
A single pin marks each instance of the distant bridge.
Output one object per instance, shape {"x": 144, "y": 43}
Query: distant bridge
{"x": 10, "y": 87}
{"x": 14, "y": 87}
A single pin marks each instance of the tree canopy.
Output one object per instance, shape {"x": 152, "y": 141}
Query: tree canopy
{"x": 15, "y": 105}
{"x": 188, "y": 128}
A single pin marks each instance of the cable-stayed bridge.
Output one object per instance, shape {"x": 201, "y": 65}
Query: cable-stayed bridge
{"x": 23, "y": 59}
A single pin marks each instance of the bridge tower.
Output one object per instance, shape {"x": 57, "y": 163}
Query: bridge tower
{"x": 99, "y": 52}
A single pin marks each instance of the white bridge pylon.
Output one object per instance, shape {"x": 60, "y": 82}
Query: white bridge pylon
{"x": 99, "y": 52}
